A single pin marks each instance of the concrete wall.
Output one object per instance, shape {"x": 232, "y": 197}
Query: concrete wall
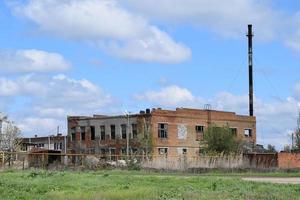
{"x": 289, "y": 160}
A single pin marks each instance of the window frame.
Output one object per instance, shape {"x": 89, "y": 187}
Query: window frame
{"x": 134, "y": 130}
{"x": 82, "y": 133}
{"x": 102, "y": 132}
{"x": 123, "y": 131}
{"x": 250, "y": 132}
{"x": 162, "y": 132}
{"x": 113, "y": 132}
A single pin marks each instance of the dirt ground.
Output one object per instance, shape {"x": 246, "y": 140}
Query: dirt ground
{"x": 280, "y": 180}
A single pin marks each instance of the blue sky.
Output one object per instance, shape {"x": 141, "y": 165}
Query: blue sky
{"x": 72, "y": 57}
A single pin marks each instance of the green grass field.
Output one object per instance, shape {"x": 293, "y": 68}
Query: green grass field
{"x": 133, "y": 185}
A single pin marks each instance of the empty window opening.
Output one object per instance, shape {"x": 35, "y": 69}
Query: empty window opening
{"x": 58, "y": 146}
{"x": 199, "y": 132}
{"x": 92, "y": 132}
{"x": 73, "y": 134}
{"x": 82, "y": 132}
{"x": 233, "y": 131}
{"x": 102, "y": 132}
{"x": 248, "y": 132}
{"x": 123, "y": 131}
{"x": 113, "y": 154}
{"x": 163, "y": 151}
{"x": 134, "y": 130}
{"x": 199, "y": 129}
{"x": 112, "y": 132}
{"x": 162, "y": 130}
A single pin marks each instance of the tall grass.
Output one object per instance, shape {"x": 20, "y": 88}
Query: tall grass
{"x": 112, "y": 185}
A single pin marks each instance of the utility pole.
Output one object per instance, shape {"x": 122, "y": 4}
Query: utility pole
{"x": 250, "y": 60}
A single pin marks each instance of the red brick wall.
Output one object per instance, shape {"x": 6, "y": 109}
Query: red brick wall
{"x": 191, "y": 118}
{"x": 289, "y": 160}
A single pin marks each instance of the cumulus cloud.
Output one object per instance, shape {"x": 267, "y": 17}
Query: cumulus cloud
{"x": 226, "y": 17}
{"x": 275, "y": 120}
{"x": 8, "y": 87}
{"x": 104, "y": 23}
{"x": 50, "y": 99}
{"x": 168, "y": 96}
{"x": 32, "y": 60}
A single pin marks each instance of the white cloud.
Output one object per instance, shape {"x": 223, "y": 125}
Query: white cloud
{"x": 225, "y": 17}
{"x": 8, "y": 87}
{"x": 158, "y": 46}
{"x": 104, "y": 23}
{"x": 50, "y": 99}
{"x": 38, "y": 126}
{"x": 32, "y": 60}
{"x": 297, "y": 90}
{"x": 274, "y": 119}
{"x": 168, "y": 96}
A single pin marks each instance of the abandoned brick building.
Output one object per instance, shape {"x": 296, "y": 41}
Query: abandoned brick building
{"x": 165, "y": 132}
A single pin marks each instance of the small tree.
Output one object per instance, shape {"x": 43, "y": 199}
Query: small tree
{"x": 221, "y": 140}
{"x": 10, "y": 136}
{"x": 296, "y": 137}
{"x": 287, "y": 148}
{"x": 296, "y": 146}
{"x": 271, "y": 149}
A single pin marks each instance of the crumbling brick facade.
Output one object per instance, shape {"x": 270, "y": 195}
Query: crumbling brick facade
{"x": 165, "y": 132}
{"x": 183, "y": 137}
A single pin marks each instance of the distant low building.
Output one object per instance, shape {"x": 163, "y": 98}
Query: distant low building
{"x": 164, "y": 132}
{"x": 53, "y": 142}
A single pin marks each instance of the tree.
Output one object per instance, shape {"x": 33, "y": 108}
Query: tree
{"x": 221, "y": 140}
{"x": 296, "y": 137}
{"x": 287, "y": 148}
{"x": 9, "y": 136}
{"x": 271, "y": 149}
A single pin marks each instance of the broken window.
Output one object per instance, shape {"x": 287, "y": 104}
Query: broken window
{"x": 92, "y": 132}
{"x": 112, "y": 132}
{"x": 162, "y": 151}
{"x": 57, "y": 146}
{"x": 134, "y": 150}
{"x": 199, "y": 129}
{"x": 233, "y": 131}
{"x": 102, "y": 132}
{"x": 103, "y": 153}
{"x": 73, "y": 134}
{"x": 199, "y": 132}
{"x": 248, "y": 132}
{"x": 40, "y": 145}
{"x": 113, "y": 154}
{"x": 82, "y": 132}
{"x": 123, "y": 131}
{"x": 182, "y": 151}
{"x": 134, "y": 130}
{"x": 123, "y": 151}
{"x": 162, "y": 130}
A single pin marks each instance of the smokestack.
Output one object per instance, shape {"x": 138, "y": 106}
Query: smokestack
{"x": 250, "y": 60}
